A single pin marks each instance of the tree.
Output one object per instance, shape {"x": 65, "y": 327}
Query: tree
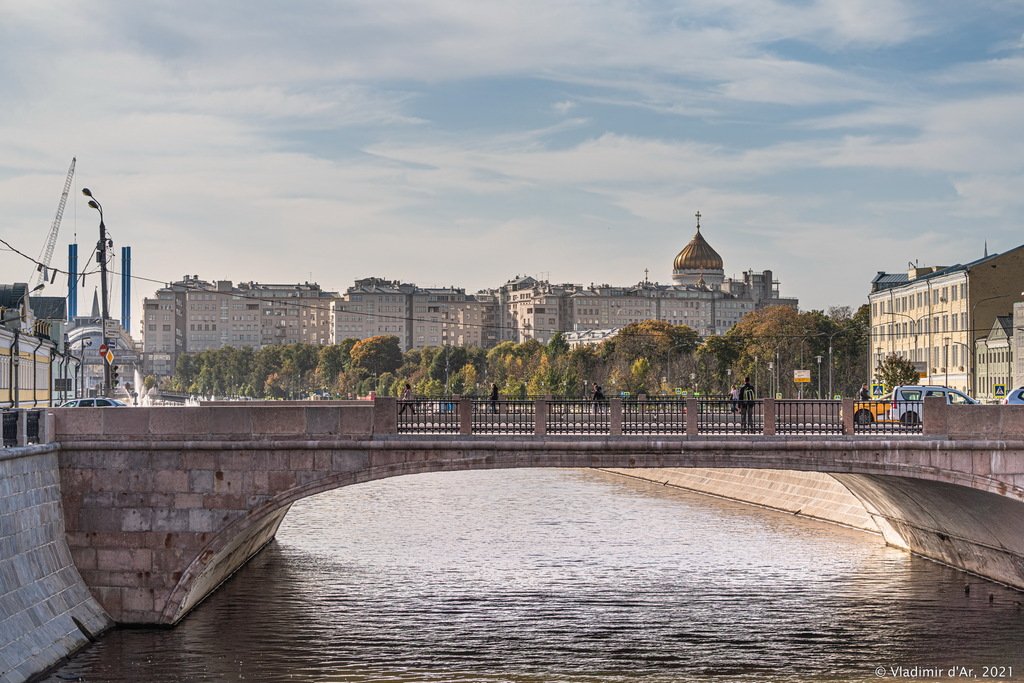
{"x": 640, "y": 376}
{"x": 377, "y": 355}
{"x": 557, "y": 347}
{"x": 331, "y": 362}
{"x": 895, "y": 370}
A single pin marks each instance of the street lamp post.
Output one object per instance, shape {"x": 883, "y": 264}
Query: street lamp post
{"x": 101, "y": 257}
{"x": 818, "y": 358}
{"x": 945, "y": 360}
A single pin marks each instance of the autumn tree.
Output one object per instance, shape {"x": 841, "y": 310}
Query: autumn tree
{"x": 895, "y": 370}
{"x": 376, "y": 355}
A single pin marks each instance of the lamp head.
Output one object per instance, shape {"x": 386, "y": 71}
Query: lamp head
{"x": 86, "y": 192}
{"x": 93, "y": 204}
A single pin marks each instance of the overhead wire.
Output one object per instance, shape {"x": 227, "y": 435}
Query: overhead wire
{"x": 401, "y": 318}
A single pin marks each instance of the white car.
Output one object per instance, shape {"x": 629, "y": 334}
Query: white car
{"x": 1014, "y": 398}
{"x": 93, "y": 403}
{"x": 907, "y": 403}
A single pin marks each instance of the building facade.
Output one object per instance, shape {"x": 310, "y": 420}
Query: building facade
{"x": 194, "y": 315}
{"x": 934, "y": 316}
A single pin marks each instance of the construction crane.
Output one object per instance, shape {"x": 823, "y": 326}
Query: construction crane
{"x": 51, "y": 240}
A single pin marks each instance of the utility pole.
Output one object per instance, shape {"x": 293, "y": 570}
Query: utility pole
{"x": 101, "y": 258}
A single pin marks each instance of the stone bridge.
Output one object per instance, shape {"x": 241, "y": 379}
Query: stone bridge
{"x": 163, "y": 504}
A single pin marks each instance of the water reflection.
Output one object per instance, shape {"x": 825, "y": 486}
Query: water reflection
{"x": 572, "y": 575}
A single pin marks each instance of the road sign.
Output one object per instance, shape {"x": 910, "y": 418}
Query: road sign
{"x": 877, "y": 390}
{"x": 110, "y": 328}
{"x": 109, "y": 356}
{"x": 801, "y": 375}
{"x": 679, "y": 391}
{"x": 103, "y": 350}
{"x": 999, "y": 391}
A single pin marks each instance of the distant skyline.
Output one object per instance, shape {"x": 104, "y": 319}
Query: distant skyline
{"x": 463, "y": 143}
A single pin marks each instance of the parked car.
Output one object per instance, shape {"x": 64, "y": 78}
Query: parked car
{"x": 93, "y": 403}
{"x": 907, "y": 402}
{"x": 1015, "y": 397}
{"x": 866, "y": 412}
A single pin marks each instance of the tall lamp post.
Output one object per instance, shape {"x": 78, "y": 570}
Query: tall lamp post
{"x": 101, "y": 257}
{"x": 945, "y": 360}
{"x": 818, "y": 358}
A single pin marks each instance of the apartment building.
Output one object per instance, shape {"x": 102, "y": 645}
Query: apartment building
{"x": 935, "y": 315}
{"x": 193, "y": 315}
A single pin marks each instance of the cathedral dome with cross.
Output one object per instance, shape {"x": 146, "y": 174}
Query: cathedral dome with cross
{"x": 698, "y": 263}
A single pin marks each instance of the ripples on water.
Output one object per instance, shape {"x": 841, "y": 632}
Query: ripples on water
{"x": 565, "y": 575}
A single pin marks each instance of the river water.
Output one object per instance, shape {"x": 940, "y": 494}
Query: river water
{"x": 569, "y": 575}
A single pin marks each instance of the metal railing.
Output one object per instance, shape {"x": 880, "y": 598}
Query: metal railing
{"x": 657, "y": 415}
{"x": 10, "y": 428}
{"x": 32, "y": 425}
{"x": 725, "y": 416}
{"x": 428, "y": 416}
{"x": 504, "y": 417}
{"x": 577, "y": 416}
{"x": 654, "y": 416}
{"x": 808, "y": 417}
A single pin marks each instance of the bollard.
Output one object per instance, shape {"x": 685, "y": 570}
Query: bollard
{"x": 22, "y": 427}
{"x": 465, "y": 416}
{"x": 849, "y": 424}
{"x": 540, "y": 412}
{"x": 768, "y": 416}
{"x": 385, "y": 415}
{"x": 615, "y": 417}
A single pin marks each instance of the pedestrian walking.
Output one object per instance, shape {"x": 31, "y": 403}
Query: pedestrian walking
{"x": 494, "y": 398}
{"x": 598, "y": 397}
{"x": 734, "y": 398}
{"x": 407, "y": 400}
{"x": 865, "y": 395}
{"x": 747, "y": 399}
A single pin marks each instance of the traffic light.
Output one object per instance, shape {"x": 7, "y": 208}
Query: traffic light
{"x": 113, "y": 377}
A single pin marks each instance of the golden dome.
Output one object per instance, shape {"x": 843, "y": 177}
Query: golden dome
{"x": 698, "y": 255}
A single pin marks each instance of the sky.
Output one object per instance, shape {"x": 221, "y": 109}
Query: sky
{"x": 464, "y": 143}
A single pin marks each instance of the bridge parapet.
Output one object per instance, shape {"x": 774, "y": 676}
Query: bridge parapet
{"x": 240, "y": 422}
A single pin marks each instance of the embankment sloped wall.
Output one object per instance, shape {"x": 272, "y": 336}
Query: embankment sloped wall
{"x": 809, "y": 494}
{"x": 46, "y": 610}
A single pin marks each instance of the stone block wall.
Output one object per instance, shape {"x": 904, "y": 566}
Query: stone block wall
{"x": 46, "y": 610}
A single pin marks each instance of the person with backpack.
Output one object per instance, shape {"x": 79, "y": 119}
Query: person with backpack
{"x": 747, "y": 399}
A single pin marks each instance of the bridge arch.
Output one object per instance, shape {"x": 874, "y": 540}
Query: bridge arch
{"x": 966, "y": 520}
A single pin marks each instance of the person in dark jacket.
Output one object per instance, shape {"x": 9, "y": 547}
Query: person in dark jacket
{"x": 748, "y": 397}
{"x": 494, "y": 398}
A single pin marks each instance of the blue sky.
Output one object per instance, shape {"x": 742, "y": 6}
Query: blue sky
{"x": 463, "y": 143}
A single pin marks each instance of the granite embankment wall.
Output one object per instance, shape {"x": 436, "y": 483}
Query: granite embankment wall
{"x": 46, "y": 610}
{"x": 809, "y": 494}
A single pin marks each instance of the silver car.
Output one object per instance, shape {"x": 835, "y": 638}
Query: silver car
{"x": 1015, "y": 397}
{"x": 908, "y": 401}
{"x": 92, "y": 403}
